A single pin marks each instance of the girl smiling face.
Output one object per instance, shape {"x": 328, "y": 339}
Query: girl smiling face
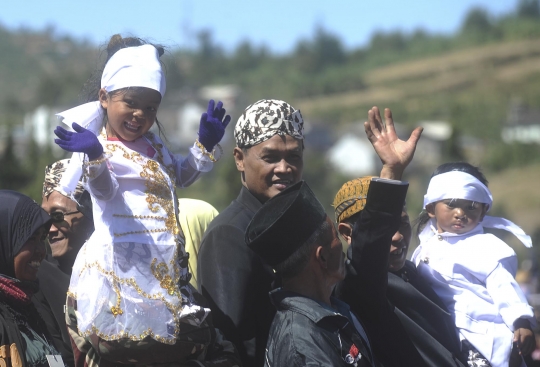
{"x": 130, "y": 112}
{"x": 456, "y": 215}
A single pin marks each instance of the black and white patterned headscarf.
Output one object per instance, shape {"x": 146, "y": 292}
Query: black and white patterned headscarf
{"x": 266, "y": 118}
{"x": 53, "y": 175}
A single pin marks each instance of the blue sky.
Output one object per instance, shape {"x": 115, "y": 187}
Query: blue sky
{"x": 276, "y": 23}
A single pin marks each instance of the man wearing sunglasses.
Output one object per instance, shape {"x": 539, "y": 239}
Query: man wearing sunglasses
{"x": 72, "y": 226}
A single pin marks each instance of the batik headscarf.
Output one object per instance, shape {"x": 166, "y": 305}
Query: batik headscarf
{"x": 266, "y": 118}
{"x": 53, "y": 175}
{"x": 351, "y": 198}
{"x": 20, "y": 218}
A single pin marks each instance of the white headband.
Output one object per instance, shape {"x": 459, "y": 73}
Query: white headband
{"x": 461, "y": 185}
{"x": 134, "y": 67}
{"x": 128, "y": 67}
{"x": 457, "y": 185}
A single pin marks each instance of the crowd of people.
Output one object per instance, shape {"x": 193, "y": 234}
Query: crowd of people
{"x": 134, "y": 276}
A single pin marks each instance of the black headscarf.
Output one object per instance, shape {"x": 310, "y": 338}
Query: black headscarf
{"x": 20, "y": 217}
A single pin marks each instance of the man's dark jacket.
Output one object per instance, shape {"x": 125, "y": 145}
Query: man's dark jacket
{"x": 416, "y": 330}
{"x": 50, "y": 302}
{"x": 304, "y": 333}
{"x": 236, "y": 281}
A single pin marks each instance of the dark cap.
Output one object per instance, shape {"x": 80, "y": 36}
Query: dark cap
{"x": 284, "y": 223}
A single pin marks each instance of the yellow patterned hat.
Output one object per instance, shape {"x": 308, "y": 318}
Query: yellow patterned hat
{"x": 351, "y": 198}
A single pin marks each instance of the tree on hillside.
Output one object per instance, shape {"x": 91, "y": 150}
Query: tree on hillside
{"x": 477, "y": 21}
{"x": 323, "y": 51}
{"x": 13, "y": 176}
{"x": 528, "y": 9}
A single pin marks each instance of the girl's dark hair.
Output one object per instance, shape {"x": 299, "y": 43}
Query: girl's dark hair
{"x": 92, "y": 86}
{"x": 423, "y": 218}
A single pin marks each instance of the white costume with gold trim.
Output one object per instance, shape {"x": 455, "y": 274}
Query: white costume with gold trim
{"x": 473, "y": 274}
{"x": 130, "y": 278}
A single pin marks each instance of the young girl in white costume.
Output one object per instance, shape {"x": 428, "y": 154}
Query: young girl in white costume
{"x": 472, "y": 271}
{"x": 130, "y": 279}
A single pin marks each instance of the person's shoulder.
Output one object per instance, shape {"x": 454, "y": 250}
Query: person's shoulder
{"x": 491, "y": 246}
{"x": 190, "y": 204}
{"x": 233, "y": 216}
{"x": 295, "y": 339}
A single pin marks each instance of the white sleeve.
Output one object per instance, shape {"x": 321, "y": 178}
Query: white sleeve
{"x": 189, "y": 168}
{"x": 507, "y": 294}
{"x": 100, "y": 182}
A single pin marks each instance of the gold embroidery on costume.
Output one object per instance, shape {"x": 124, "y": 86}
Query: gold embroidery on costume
{"x": 161, "y": 271}
{"x": 116, "y": 310}
{"x": 160, "y": 182}
{"x": 158, "y": 193}
{"x": 174, "y": 309}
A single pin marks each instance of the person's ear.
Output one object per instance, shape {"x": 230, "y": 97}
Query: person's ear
{"x": 485, "y": 208}
{"x": 345, "y": 230}
{"x": 103, "y": 97}
{"x": 239, "y": 158}
{"x": 320, "y": 255}
{"x": 430, "y": 209}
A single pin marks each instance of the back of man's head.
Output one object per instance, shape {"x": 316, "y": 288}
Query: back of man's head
{"x": 287, "y": 228}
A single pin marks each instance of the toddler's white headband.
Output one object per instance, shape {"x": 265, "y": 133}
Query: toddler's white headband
{"x": 457, "y": 185}
{"x": 461, "y": 185}
{"x": 128, "y": 67}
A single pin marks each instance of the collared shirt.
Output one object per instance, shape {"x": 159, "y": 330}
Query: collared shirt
{"x": 305, "y": 331}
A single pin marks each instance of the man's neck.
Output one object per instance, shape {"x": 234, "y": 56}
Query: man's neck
{"x": 310, "y": 286}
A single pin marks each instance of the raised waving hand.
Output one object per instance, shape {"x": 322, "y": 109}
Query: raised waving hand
{"x": 212, "y": 125}
{"x": 395, "y": 154}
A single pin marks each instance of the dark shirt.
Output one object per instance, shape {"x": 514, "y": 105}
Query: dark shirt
{"x": 236, "y": 281}
{"x": 50, "y": 302}
{"x": 396, "y": 330}
{"x": 306, "y": 332}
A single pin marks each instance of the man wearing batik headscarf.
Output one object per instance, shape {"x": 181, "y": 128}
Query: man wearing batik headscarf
{"x": 235, "y": 280}
{"x": 72, "y": 225}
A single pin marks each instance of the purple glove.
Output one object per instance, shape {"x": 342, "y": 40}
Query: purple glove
{"x": 212, "y": 127}
{"x": 81, "y": 141}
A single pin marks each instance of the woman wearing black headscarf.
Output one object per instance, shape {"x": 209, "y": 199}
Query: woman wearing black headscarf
{"x": 24, "y": 340}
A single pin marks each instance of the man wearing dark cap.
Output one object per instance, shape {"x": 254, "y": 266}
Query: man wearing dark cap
{"x": 293, "y": 234}
{"x": 235, "y": 280}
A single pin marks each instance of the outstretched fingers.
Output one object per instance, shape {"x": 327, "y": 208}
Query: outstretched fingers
{"x": 415, "y": 135}
{"x": 226, "y": 121}
{"x": 62, "y": 133}
{"x": 210, "y": 109}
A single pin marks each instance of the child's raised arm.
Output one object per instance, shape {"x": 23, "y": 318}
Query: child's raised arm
{"x": 101, "y": 183}
{"x": 211, "y": 130}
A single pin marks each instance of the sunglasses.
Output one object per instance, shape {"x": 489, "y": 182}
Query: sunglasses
{"x": 58, "y": 217}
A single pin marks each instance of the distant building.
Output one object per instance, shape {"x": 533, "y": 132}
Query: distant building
{"x": 352, "y": 154}
{"x": 429, "y": 151}
{"x": 522, "y": 124}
